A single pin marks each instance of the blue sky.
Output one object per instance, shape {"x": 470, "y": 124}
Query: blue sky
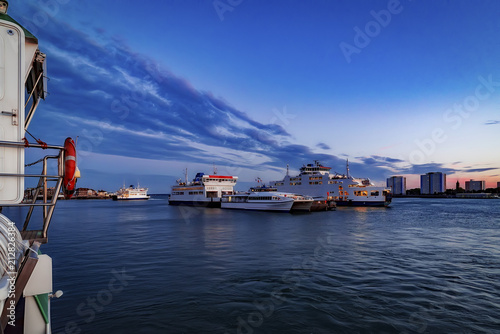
{"x": 153, "y": 87}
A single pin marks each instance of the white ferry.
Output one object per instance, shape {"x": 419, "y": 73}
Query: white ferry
{"x": 264, "y": 201}
{"x": 204, "y": 190}
{"x": 131, "y": 193}
{"x": 315, "y": 180}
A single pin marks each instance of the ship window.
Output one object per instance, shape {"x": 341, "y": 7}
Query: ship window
{"x": 316, "y": 182}
{"x": 374, "y": 193}
{"x": 196, "y": 193}
{"x": 361, "y": 193}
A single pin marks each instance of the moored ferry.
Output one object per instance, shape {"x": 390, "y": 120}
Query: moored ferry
{"x": 262, "y": 201}
{"x": 315, "y": 180}
{"x": 131, "y": 193}
{"x": 203, "y": 190}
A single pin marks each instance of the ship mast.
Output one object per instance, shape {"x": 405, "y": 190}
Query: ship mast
{"x": 347, "y": 168}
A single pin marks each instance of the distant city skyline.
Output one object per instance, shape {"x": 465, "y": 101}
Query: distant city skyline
{"x": 398, "y": 87}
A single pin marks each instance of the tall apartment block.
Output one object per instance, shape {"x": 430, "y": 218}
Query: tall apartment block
{"x": 397, "y": 184}
{"x": 475, "y": 185}
{"x": 433, "y": 183}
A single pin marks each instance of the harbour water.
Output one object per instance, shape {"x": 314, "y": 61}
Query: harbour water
{"x": 420, "y": 266}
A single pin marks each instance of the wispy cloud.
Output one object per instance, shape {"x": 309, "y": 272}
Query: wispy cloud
{"x": 491, "y": 122}
{"x": 479, "y": 170}
{"x": 323, "y": 146}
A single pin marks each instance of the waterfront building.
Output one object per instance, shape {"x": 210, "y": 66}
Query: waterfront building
{"x": 85, "y": 193}
{"x": 498, "y": 184}
{"x": 432, "y": 183}
{"x": 475, "y": 185}
{"x": 397, "y": 184}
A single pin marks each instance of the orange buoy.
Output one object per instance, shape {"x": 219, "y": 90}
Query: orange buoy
{"x": 69, "y": 180}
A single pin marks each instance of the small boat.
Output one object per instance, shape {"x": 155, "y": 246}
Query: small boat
{"x": 131, "y": 193}
{"x": 266, "y": 201}
{"x": 300, "y": 202}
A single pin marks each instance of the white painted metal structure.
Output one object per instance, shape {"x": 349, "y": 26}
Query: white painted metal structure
{"x": 13, "y": 71}
{"x": 26, "y": 279}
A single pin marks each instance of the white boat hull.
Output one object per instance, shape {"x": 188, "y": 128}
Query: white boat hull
{"x": 282, "y": 206}
{"x": 135, "y": 198}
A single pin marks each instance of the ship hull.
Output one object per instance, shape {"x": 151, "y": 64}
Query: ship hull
{"x": 363, "y": 203}
{"x": 303, "y": 206}
{"x": 118, "y": 198}
{"x": 207, "y": 204}
{"x": 279, "y": 207}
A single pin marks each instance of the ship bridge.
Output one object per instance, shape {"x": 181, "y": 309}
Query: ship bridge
{"x": 315, "y": 168}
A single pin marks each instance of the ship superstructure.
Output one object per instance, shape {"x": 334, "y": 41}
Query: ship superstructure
{"x": 203, "y": 190}
{"x": 316, "y": 180}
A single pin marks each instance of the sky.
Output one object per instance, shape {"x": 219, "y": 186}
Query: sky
{"x": 151, "y": 88}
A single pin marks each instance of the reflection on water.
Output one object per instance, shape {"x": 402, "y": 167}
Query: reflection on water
{"x": 421, "y": 266}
